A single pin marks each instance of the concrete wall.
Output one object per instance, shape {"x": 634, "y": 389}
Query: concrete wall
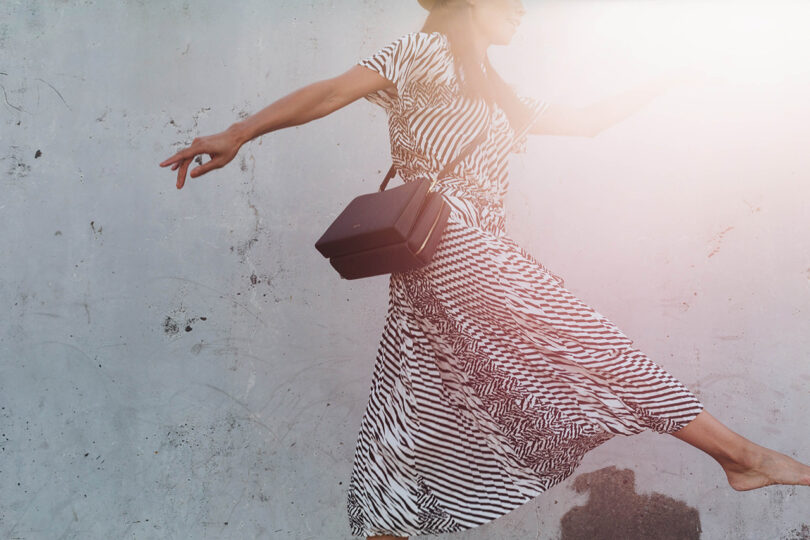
{"x": 184, "y": 364}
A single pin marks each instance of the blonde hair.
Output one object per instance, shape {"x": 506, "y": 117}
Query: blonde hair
{"x": 453, "y": 19}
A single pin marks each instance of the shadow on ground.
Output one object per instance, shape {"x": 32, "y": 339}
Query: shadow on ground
{"x": 615, "y": 511}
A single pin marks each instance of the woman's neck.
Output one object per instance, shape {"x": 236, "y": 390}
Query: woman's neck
{"x": 479, "y": 44}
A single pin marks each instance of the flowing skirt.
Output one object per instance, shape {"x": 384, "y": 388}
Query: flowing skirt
{"x": 491, "y": 383}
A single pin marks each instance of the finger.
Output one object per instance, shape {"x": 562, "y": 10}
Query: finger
{"x": 174, "y": 167}
{"x": 175, "y": 159}
{"x": 170, "y": 160}
{"x": 185, "y": 153}
{"x": 181, "y": 173}
{"x": 202, "y": 169}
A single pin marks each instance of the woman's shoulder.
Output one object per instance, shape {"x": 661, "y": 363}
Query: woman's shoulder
{"x": 413, "y": 62}
{"x": 418, "y": 43}
{"x": 428, "y": 37}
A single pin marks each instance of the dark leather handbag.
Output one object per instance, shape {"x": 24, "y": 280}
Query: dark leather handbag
{"x": 390, "y": 231}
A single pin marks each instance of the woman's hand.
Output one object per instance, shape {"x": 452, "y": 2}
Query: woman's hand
{"x": 221, "y": 147}
{"x": 685, "y": 76}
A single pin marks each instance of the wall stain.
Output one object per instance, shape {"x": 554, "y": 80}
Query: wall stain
{"x": 242, "y": 111}
{"x": 242, "y": 248}
{"x": 190, "y": 133}
{"x": 197, "y": 347}
{"x": 733, "y": 337}
{"x": 257, "y": 279}
{"x": 799, "y": 534}
{"x": 171, "y": 326}
{"x": 181, "y": 435}
{"x": 615, "y": 511}
{"x": 17, "y": 169}
{"x": 752, "y": 208}
{"x": 96, "y": 228}
{"x": 718, "y": 239}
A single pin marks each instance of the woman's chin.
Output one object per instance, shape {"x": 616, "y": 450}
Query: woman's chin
{"x": 504, "y": 37}
{"x": 502, "y": 40}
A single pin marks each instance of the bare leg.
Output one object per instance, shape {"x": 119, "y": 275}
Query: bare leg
{"x": 747, "y": 464}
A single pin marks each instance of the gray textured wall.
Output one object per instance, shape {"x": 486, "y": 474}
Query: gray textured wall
{"x": 184, "y": 364}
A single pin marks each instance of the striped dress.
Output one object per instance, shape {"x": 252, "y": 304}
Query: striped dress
{"x": 491, "y": 379}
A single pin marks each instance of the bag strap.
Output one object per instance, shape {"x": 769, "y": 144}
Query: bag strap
{"x": 449, "y": 167}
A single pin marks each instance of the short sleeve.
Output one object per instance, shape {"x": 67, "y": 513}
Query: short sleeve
{"x": 520, "y": 138}
{"x": 395, "y": 62}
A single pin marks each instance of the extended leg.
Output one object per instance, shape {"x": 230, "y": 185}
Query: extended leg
{"x": 747, "y": 464}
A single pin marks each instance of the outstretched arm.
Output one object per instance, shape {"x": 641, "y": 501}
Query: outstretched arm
{"x": 301, "y": 106}
{"x": 593, "y": 119}
{"x": 311, "y": 102}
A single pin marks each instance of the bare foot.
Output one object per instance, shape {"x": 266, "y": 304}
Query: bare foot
{"x": 764, "y": 468}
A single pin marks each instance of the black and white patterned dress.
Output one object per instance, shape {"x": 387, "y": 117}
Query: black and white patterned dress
{"x": 491, "y": 380}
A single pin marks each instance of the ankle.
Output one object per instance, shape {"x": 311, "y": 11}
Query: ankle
{"x": 747, "y": 457}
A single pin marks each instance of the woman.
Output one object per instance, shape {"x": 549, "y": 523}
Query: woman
{"x": 492, "y": 380}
